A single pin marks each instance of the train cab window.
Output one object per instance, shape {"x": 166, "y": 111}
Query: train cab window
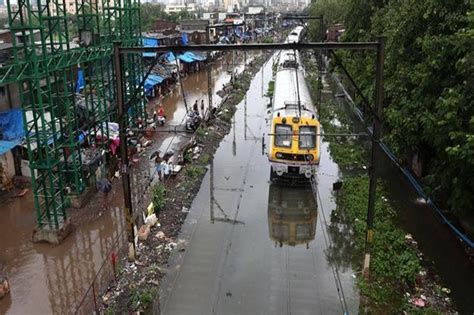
{"x": 283, "y": 134}
{"x": 307, "y": 139}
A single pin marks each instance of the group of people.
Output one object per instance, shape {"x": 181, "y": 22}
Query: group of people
{"x": 196, "y": 109}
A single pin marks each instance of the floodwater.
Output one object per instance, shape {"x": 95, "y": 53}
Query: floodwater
{"x": 444, "y": 252}
{"x": 48, "y": 279}
{"x": 255, "y": 247}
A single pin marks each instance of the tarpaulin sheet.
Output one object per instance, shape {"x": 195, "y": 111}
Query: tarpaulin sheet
{"x": 151, "y": 81}
{"x": 149, "y": 42}
{"x": 184, "y": 39}
{"x": 6, "y": 146}
{"x": 186, "y": 58}
{"x": 170, "y": 57}
{"x": 196, "y": 56}
{"x": 80, "y": 84}
{"x": 11, "y": 125}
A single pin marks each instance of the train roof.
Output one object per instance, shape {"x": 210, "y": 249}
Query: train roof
{"x": 285, "y": 99}
{"x": 289, "y": 59}
{"x": 295, "y": 35}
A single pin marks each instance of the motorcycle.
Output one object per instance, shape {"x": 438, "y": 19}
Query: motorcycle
{"x": 193, "y": 120}
{"x": 162, "y": 120}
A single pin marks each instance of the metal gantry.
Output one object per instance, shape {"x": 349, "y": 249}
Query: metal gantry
{"x": 45, "y": 67}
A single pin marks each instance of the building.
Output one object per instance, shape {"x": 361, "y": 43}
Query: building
{"x": 200, "y": 25}
{"x": 176, "y": 8}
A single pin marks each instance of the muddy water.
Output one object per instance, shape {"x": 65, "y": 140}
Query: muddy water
{"x": 51, "y": 279}
{"x": 257, "y": 248}
{"x": 48, "y": 279}
{"x": 444, "y": 252}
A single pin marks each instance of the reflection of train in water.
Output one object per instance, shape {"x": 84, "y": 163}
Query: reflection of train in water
{"x": 292, "y": 215}
{"x": 293, "y": 143}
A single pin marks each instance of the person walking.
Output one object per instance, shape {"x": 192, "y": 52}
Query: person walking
{"x": 196, "y": 107}
{"x": 159, "y": 166}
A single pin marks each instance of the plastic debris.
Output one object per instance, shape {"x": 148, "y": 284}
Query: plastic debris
{"x": 143, "y": 232}
{"x": 418, "y": 302}
{"x": 160, "y": 235}
{"x": 151, "y": 220}
{"x": 446, "y": 290}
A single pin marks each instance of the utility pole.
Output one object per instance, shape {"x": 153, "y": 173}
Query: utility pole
{"x": 128, "y": 211}
{"x": 209, "y": 72}
{"x": 211, "y": 190}
{"x": 320, "y": 62}
{"x": 379, "y": 72}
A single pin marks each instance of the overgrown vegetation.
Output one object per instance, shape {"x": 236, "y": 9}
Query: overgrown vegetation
{"x": 429, "y": 118}
{"x": 394, "y": 264}
{"x": 271, "y": 89}
{"x": 158, "y": 196}
{"x": 141, "y": 299}
{"x": 194, "y": 171}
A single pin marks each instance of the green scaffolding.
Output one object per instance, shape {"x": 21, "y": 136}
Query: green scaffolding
{"x": 45, "y": 67}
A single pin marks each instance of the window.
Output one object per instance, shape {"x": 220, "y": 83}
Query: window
{"x": 283, "y": 135}
{"x": 307, "y": 139}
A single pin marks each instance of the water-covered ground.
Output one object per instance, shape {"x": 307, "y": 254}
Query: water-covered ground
{"x": 53, "y": 279}
{"x": 255, "y": 247}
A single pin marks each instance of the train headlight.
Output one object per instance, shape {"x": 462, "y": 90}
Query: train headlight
{"x": 309, "y": 157}
{"x": 278, "y": 155}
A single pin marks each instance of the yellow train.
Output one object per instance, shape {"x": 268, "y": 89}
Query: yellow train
{"x": 294, "y": 131}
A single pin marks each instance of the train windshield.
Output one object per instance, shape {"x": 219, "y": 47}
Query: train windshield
{"x": 307, "y": 139}
{"x": 283, "y": 135}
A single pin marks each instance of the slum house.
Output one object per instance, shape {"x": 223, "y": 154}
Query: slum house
{"x": 11, "y": 120}
{"x": 91, "y": 129}
{"x": 164, "y": 72}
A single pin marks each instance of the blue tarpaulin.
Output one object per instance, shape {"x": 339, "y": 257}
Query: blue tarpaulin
{"x": 6, "y": 146}
{"x": 191, "y": 57}
{"x": 186, "y": 58}
{"x": 11, "y": 125}
{"x": 151, "y": 81}
{"x": 80, "y": 80}
{"x": 11, "y": 129}
{"x": 184, "y": 39}
{"x": 149, "y": 42}
{"x": 196, "y": 56}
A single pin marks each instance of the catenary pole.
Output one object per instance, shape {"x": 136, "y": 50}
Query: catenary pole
{"x": 369, "y": 237}
{"x": 128, "y": 210}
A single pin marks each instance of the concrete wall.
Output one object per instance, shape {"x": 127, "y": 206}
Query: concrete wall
{"x": 9, "y": 97}
{"x": 8, "y": 164}
{"x": 161, "y": 25}
{"x": 199, "y": 25}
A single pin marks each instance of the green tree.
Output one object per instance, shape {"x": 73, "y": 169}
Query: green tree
{"x": 429, "y": 64}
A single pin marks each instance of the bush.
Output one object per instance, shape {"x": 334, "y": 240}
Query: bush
{"x": 158, "y": 197}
